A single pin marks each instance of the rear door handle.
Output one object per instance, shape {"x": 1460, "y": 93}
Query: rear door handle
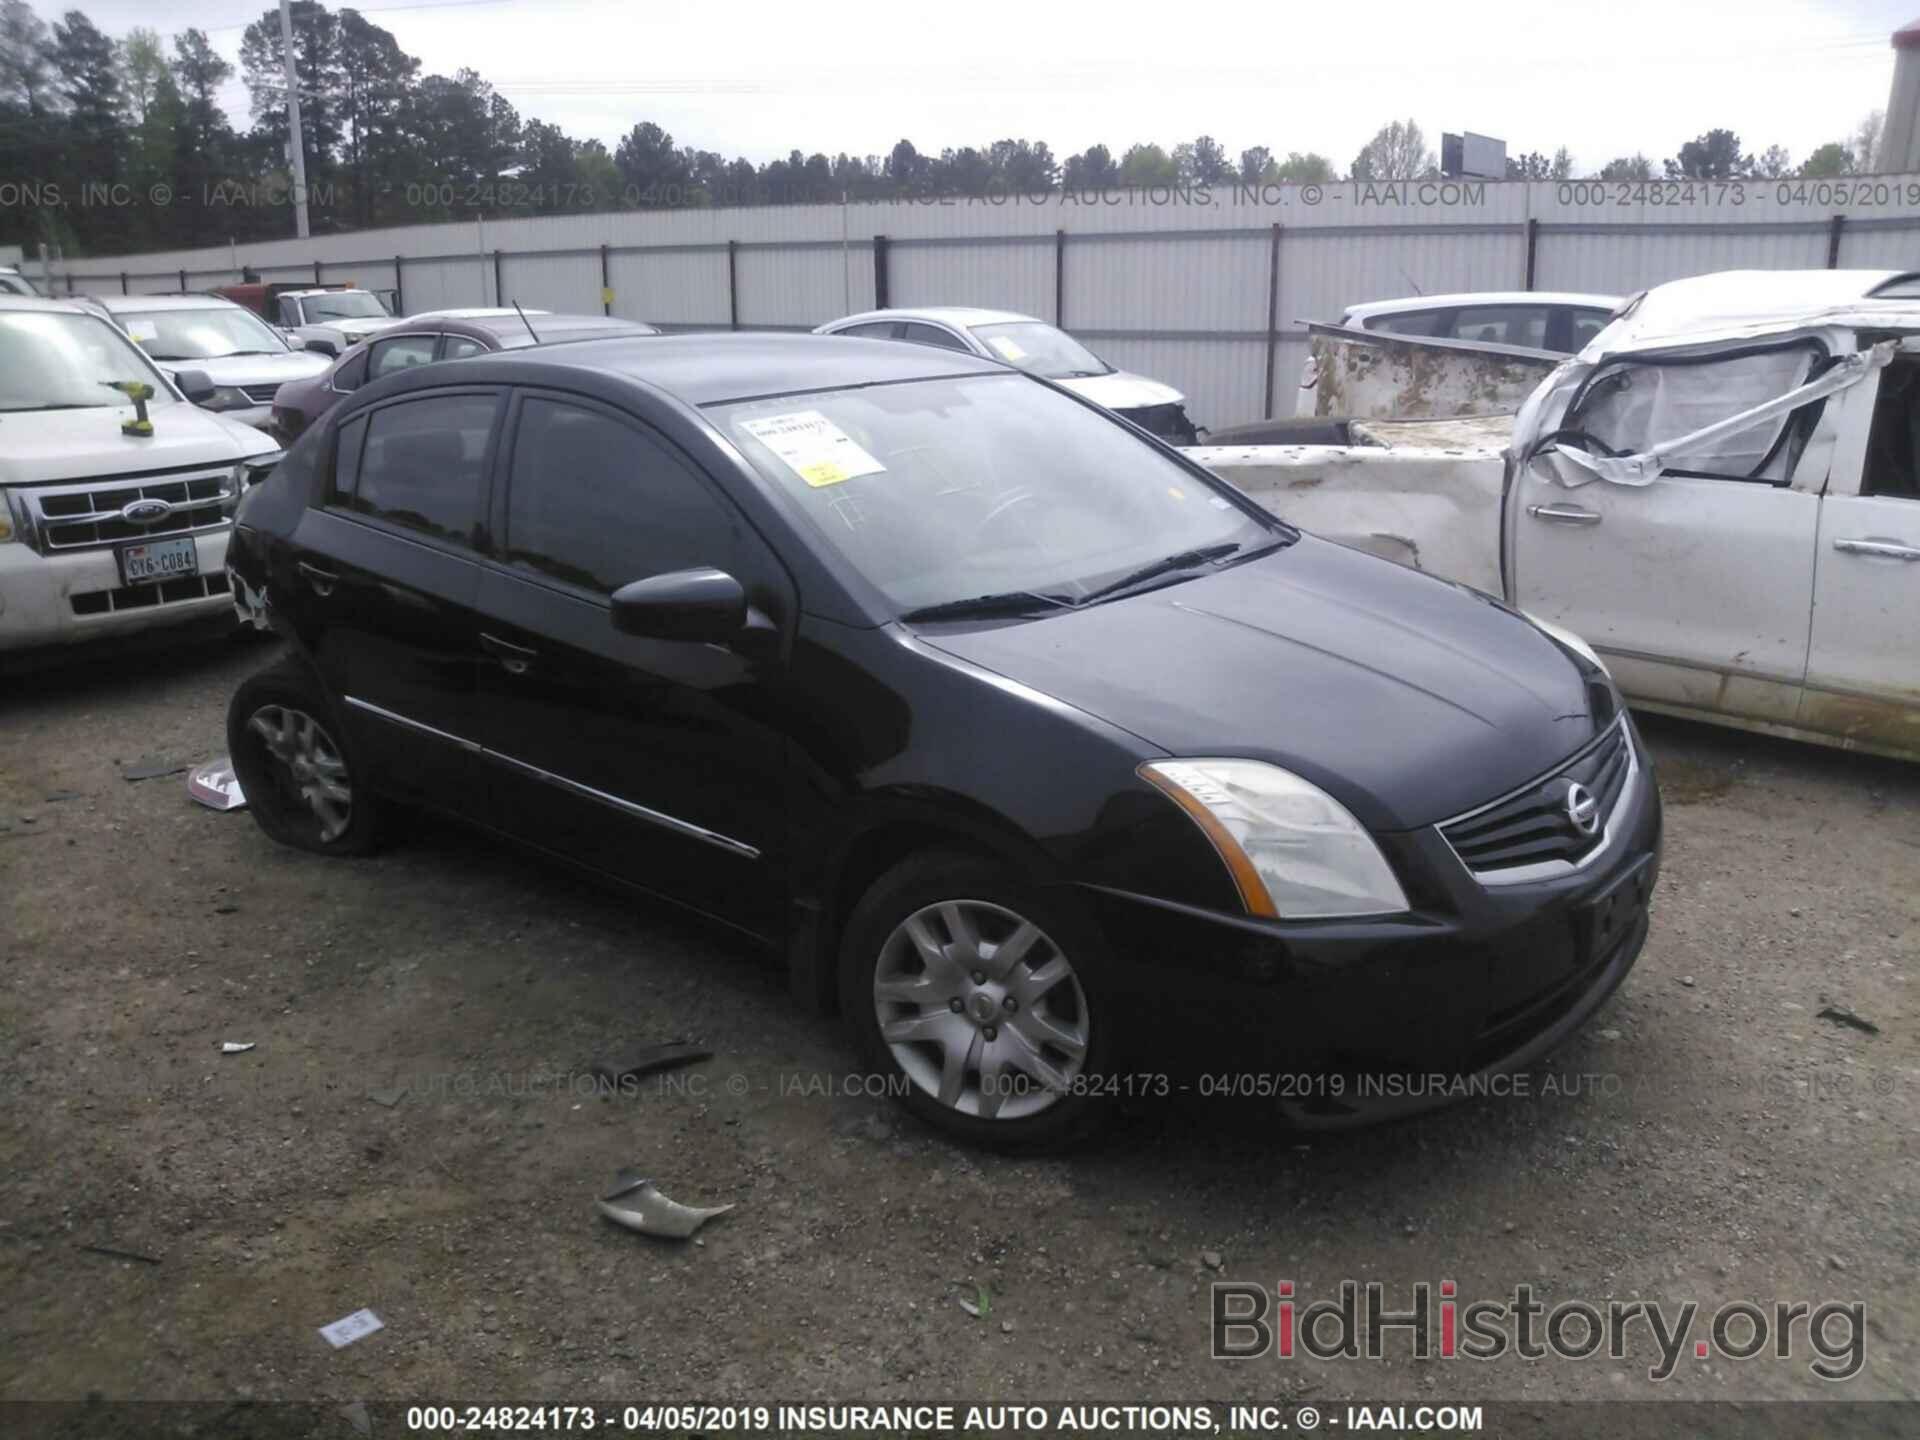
{"x": 1563, "y": 514}
{"x": 322, "y": 581}
{"x": 514, "y": 659}
{"x": 1885, "y": 549}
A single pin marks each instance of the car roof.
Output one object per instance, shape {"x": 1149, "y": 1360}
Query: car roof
{"x": 960, "y": 315}
{"x": 1414, "y": 303}
{"x": 36, "y": 302}
{"x": 512, "y": 334}
{"x": 477, "y": 312}
{"x": 125, "y": 304}
{"x": 708, "y": 369}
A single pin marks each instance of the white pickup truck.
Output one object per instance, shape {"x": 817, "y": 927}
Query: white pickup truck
{"x": 1720, "y": 493}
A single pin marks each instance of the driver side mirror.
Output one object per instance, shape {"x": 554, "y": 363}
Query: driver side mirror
{"x": 702, "y": 604}
{"x": 196, "y": 385}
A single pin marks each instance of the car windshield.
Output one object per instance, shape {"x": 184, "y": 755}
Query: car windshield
{"x": 209, "y": 334}
{"x": 345, "y": 305}
{"x": 986, "y": 486}
{"x": 55, "y": 361}
{"x": 1041, "y": 349}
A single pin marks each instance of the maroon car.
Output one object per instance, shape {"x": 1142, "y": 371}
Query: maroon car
{"x": 423, "y": 339}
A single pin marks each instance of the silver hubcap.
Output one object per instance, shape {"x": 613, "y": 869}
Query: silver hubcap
{"x": 981, "y": 1009}
{"x": 310, "y": 762}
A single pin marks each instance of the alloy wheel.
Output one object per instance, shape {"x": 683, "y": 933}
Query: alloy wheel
{"x": 981, "y": 1009}
{"x": 307, "y": 765}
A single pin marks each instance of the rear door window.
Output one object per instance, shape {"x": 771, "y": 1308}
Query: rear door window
{"x": 1409, "y": 322}
{"x": 597, "y": 502}
{"x": 1502, "y": 325}
{"x": 424, "y": 464}
{"x": 459, "y": 347}
{"x": 931, "y": 335}
{"x": 879, "y": 330}
{"x": 402, "y": 353}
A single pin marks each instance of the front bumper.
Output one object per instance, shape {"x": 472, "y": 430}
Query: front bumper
{"x": 1394, "y": 1015}
{"x": 73, "y": 597}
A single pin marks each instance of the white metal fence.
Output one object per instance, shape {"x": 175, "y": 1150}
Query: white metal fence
{"x": 1204, "y": 288}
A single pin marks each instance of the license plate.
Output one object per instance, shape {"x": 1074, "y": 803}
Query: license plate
{"x": 1604, "y": 921}
{"x": 159, "y": 560}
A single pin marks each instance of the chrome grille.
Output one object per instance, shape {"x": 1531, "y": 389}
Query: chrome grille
{"x": 260, "y": 394}
{"x": 88, "y": 513}
{"x": 1530, "y": 832}
{"x": 145, "y": 597}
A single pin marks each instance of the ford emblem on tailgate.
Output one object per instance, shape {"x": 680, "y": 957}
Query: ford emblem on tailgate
{"x": 145, "y": 511}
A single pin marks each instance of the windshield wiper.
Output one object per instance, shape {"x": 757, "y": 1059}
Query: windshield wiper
{"x": 1006, "y": 602}
{"x": 65, "y": 405}
{"x": 1166, "y": 565}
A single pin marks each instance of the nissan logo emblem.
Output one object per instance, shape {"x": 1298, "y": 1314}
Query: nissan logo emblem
{"x": 1582, "y": 809}
{"x": 145, "y": 512}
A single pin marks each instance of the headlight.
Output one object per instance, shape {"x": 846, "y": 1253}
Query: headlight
{"x": 1572, "y": 641}
{"x": 1294, "y": 851}
{"x": 249, "y": 473}
{"x": 227, "y": 397}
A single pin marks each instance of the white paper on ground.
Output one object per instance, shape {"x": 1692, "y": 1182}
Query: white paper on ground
{"x": 357, "y": 1326}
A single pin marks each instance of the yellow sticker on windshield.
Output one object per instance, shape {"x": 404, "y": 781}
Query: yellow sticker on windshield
{"x": 1008, "y": 349}
{"x": 813, "y": 447}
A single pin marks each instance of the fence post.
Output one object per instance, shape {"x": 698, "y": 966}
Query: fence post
{"x": 1060, "y": 279}
{"x": 1273, "y": 318}
{"x": 1533, "y": 249}
{"x": 499, "y": 289}
{"x": 183, "y": 282}
{"x": 880, "y": 285}
{"x": 606, "y": 284}
{"x": 123, "y": 284}
{"x": 399, "y": 293}
{"x": 316, "y": 274}
{"x": 733, "y": 285}
{"x": 1834, "y": 227}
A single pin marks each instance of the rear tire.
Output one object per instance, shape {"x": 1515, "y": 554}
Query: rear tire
{"x": 289, "y": 753}
{"x": 984, "y": 999}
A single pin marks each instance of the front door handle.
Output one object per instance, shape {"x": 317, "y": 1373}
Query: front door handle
{"x": 322, "y": 581}
{"x": 1563, "y": 514}
{"x": 1885, "y": 549}
{"x": 514, "y": 659}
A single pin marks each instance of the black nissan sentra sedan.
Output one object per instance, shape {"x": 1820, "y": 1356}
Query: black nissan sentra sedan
{"x": 1027, "y": 743}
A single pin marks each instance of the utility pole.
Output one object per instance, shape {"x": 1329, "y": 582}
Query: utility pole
{"x": 298, "y": 151}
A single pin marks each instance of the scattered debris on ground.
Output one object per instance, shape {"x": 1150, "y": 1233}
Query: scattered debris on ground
{"x": 636, "y": 1203}
{"x": 349, "y": 1328}
{"x": 1840, "y": 1016}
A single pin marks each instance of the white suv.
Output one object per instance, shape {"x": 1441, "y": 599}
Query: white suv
{"x": 242, "y": 355}
{"x": 106, "y": 526}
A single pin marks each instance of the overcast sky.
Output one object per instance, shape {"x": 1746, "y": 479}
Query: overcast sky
{"x": 751, "y": 77}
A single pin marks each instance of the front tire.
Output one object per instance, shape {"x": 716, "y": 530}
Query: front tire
{"x": 983, "y": 998}
{"x": 293, "y": 768}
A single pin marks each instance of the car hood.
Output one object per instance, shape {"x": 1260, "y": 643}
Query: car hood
{"x": 54, "y": 445}
{"x": 1123, "y": 391}
{"x": 253, "y": 369}
{"x": 1408, "y": 698}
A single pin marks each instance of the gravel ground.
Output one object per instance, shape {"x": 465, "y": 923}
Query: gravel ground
{"x": 1707, "y": 1137}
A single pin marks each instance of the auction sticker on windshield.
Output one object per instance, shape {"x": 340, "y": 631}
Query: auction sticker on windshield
{"x": 813, "y": 447}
